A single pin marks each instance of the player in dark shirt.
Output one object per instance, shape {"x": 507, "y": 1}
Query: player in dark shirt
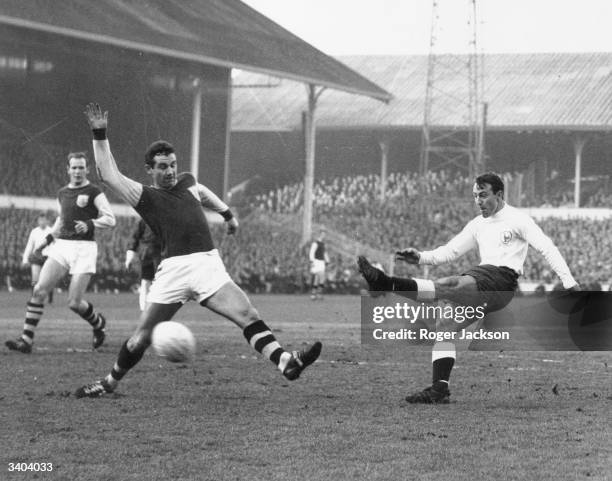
{"x": 318, "y": 261}
{"x": 191, "y": 267}
{"x": 83, "y": 208}
{"x": 148, "y": 246}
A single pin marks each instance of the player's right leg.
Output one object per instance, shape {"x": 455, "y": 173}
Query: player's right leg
{"x": 132, "y": 350}
{"x": 232, "y": 303}
{"x": 51, "y": 273}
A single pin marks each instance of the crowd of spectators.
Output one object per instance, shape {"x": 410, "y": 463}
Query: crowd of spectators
{"x": 424, "y": 212}
{"x": 45, "y": 175}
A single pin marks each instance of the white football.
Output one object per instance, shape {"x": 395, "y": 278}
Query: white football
{"x": 173, "y": 341}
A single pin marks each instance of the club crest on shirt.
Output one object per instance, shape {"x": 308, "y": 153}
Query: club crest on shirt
{"x": 82, "y": 200}
{"x": 506, "y": 236}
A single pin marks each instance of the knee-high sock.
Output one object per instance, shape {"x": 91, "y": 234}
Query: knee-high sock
{"x": 126, "y": 360}
{"x": 443, "y": 356}
{"x": 260, "y": 337}
{"x": 417, "y": 289}
{"x": 34, "y": 312}
{"x": 91, "y": 316}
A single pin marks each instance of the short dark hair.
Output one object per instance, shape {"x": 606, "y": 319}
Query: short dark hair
{"x": 77, "y": 155}
{"x": 492, "y": 179}
{"x": 156, "y": 148}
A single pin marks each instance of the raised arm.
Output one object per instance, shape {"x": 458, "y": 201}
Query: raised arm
{"x": 128, "y": 189}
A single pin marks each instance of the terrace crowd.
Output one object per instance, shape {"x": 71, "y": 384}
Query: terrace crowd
{"x": 424, "y": 212}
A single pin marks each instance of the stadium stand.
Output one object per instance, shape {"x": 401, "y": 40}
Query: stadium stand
{"x": 265, "y": 257}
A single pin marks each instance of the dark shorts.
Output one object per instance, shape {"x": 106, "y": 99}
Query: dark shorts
{"x": 148, "y": 266}
{"x": 496, "y": 284}
{"x": 37, "y": 259}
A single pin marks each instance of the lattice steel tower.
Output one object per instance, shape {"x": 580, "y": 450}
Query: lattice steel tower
{"x": 454, "y": 117}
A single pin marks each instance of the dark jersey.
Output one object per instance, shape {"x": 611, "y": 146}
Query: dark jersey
{"x": 77, "y": 204}
{"x": 176, "y": 217}
{"x": 320, "y": 251}
{"x": 143, "y": 236}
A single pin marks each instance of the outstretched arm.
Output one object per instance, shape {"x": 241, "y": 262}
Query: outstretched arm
{"x": 128, "y": 189}
{"x": 456, "y": 247}
{"x": 211, "y": 201}
{"x": 545, "y": 246}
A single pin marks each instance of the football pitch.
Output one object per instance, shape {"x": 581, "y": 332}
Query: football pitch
{"x": 232, "y": 416}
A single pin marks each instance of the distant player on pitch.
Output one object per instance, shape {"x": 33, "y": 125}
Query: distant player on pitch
{"x": 33, "y": 257}
{"x": 502, "y": 235}
{"x": 191, "y": 267}
{"x": 318, "y": 261}
{"x": 83, "y": 208}
{"x": 144, "y": 242}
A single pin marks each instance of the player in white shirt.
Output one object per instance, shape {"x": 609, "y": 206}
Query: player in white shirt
{"x": 502, "y": 235}
{"x": 35, "y": 258}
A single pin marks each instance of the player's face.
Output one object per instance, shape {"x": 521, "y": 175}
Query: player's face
{"x": 77, "y": 170}
{"x": 164, "y": 171}
{"x": 43, "y": 222}
{"x": 488, "y": 202}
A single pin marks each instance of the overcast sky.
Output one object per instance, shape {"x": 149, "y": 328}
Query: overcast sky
{"x": 340, "y": 27}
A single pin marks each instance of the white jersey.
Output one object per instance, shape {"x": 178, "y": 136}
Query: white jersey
{"x": 502, "y": 240}
{"x": 36, "y": 238}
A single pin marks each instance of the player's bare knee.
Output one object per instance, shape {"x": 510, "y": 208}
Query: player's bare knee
{"x": 74, "y": 304}
{"x": 40, "y": 292}
{"x": 247, "y": 314}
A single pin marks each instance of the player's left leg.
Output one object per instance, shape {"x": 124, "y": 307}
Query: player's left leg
{"x": 77, "y": 304}
{"x": 232, "y": 303}
{"x": 35, "y": 272}
{"x": 462, "y": 289}
{"x": 143, "y": 292}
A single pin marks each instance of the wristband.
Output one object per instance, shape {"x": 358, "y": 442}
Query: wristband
{"x": 99, "y": 134}
{"x": 227, "y": 215}
{"x": 90, "y": 225}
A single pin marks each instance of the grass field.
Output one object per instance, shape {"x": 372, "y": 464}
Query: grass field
{"x": 232, "y": 416}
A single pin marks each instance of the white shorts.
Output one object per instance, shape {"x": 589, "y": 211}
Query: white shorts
{"x": 317, "y": 267}
{"x": 182, "y": 278}
{"x": 78, "y": 256}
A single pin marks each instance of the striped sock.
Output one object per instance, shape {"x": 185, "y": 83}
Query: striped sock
{"x": 259, "y": 336}
{"x": 92, "y": 317}
{"x": 34, "y": 312}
